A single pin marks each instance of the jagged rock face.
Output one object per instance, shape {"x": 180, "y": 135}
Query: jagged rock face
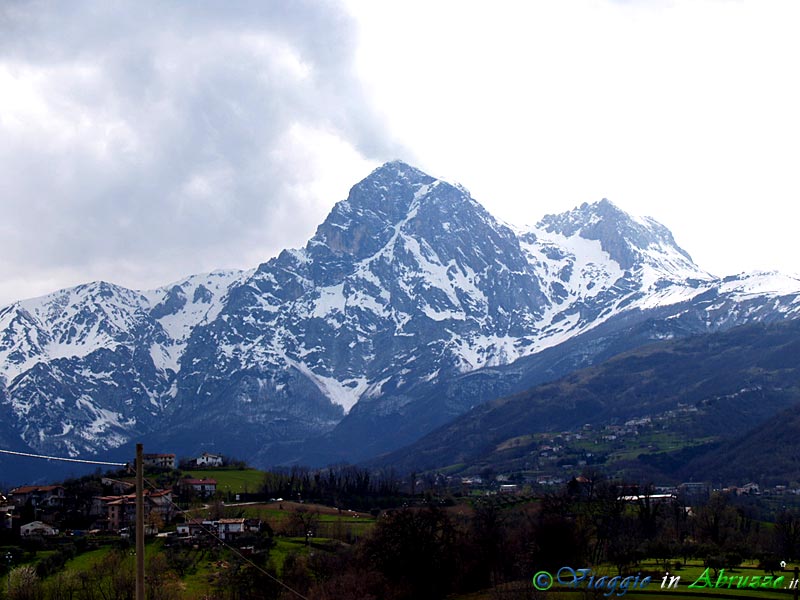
{"x": 85, "y": 369}
{"x": 408, "y": 279}
{"x": 628, "y": 241}
{"x": 401, "y": 312}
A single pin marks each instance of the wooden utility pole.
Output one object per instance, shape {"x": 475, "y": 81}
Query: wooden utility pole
{"x": 139, "y": 523}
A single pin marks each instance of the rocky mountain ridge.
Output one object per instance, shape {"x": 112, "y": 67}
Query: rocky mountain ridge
{"x": 371, "y": 335}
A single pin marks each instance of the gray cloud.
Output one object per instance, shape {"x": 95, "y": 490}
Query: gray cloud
{"x": 149, "y": 140}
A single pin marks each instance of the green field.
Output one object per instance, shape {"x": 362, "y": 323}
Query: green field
{"x": 235, "y": 481}
{"x": 85, "y": 561}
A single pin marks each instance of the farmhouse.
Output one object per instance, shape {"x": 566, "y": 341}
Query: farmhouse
{"x": 200, "y": 487}
{"x": 195, "y": 528}
{"x": 209, "y": 460}
{"x": 231, "y": 528}
{"x": 165, "y": 461}
{"x": 224, "y": 529}
{"x": 37, "y": 528}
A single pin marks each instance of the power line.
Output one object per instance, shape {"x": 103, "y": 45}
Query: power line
{"x": 63, "y": 458}
{"x": 213, "y": 534}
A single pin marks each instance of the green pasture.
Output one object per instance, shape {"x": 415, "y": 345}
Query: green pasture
{"x": 235, "y": 481}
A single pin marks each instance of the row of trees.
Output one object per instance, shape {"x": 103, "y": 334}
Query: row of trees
{"x": 345, "y": 486}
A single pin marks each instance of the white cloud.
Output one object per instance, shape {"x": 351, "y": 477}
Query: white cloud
{"x": 140, "y": 143}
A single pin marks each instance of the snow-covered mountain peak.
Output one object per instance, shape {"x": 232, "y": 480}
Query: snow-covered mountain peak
{"x": 407, "y": 285}
{"x": 398, "y": 208}
{"x": 110, "y": 307}
{"x": 71, "y": 322}
{"x": 640, "y": 246}
{"x": 620, "y": 234}
{"x": 388, "y": 190}
{"x": 360, "y": 225}
{"x": 397, "y": 171}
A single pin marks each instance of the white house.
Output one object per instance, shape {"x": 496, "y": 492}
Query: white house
{"x": 231, "y": 528}
{"x": 37, "y": 528}
{"x": 209, "y": 460}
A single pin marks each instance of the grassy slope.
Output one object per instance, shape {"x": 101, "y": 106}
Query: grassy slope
{"x": 234, "y": 480}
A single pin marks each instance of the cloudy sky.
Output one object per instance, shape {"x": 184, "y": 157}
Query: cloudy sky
{"x": 144, "y": 141}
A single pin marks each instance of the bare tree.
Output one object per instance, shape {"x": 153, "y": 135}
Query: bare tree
{"x": 303, "y": 522}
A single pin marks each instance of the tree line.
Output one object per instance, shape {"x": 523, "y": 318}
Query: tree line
{"x": 345, "y": 487}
